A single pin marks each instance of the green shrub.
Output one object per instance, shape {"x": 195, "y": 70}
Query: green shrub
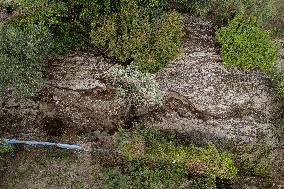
{"x": 113, "y": 178}
{"x": 148, "y": 160}
{"x": 61, "y": 18}
{"x": 202, "y": 183}
{"x": 130, "y": 31}
{"x": 253, "y": 159}
{"x": 149, "y": 175}
{"x": 142, "y": 31}
{"x": 21, "y": 55}
{"x": 245, "y": 45}
{"x": 8, "y": 5}
{"x": 223, "y": 10}
{"x": 4, "y": 149}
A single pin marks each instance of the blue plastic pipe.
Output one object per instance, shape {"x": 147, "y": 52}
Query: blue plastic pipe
{"x": 66, "y": 146}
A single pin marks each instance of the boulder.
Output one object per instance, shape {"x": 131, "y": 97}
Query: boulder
{"x": 78, "y": 95}
{"x": 208, "y": 101}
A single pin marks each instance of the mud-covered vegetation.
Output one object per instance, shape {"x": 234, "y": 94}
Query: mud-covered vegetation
{"x": 140, "y": 38}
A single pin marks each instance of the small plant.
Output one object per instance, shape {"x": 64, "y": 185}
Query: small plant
{"x": 112, "y": 178}
{"x": 152, "y": 175}
{"x": 140, "y": 88}
{"x": 253, "y": 158}
{"x": 245, "y": 45}
{"x": 21, "y": 55}
{"x": 4, "y": 148}
{"x": 131, "y": 30}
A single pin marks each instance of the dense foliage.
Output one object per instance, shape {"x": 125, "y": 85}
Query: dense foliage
{"x": 62, "y": 19}
{"x": 245, "y": 45}
{"x": 113, "y": 179}
{"x": 158, "y": 160}
{"x": 128, "y": 29}
{"x": 223, "y": 10}
{"x": 142, "y": 33}
{"x": 21, "y": 55}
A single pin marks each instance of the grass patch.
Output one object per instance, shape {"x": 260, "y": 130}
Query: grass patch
{"x": 154, "y": 159}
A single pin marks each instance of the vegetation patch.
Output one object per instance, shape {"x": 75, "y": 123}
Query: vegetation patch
{"x": 140, "y": 88}
{"x": 62, "y": 19}
{"x": 130, "y": 31}
{"x": 253, "y": 159}
{"x": 21, "y": 56}
{"x": 169, "y": 164}
{"x": 245, "y": 45}
{"x": 4, "y": 149}
{"x": 112, "y": 178}
{"x": 8, "y": 5}
{"x": 224, "y": 10}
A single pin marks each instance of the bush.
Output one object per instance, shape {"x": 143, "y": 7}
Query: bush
{"x": 131, "y": 31}
{"x": 253, "y": 159}
{"x": 8, "y": 5}
{"x": 152, "y": 175}
{"x": 62, "y": 19}
{"x": 4, "y": 149}
{"x": 223, "y": 10}
{"x": 113, "y": 178}
{"x": 246, "y": 45}
{"x": 140, "y": 88}
{"x": 167, "y": 164}
{"x": 21, "y": 55}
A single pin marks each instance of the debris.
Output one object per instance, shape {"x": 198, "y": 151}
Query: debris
{"x": 66, "y": 146}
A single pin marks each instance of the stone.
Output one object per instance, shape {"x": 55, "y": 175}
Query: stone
{"x": 79, "y": 94}
{"x": 210, "y": 102}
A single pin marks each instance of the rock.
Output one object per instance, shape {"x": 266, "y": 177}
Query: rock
{"x": 79, "y": 94}
{"x": 207, "y": 101}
